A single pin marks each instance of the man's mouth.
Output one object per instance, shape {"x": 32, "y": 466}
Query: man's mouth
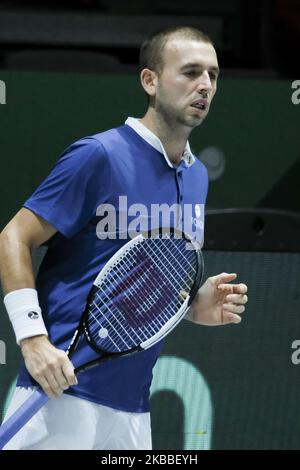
{"x": 200, "y": 104}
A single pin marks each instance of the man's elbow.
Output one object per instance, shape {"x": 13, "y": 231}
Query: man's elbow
{"x": 10, "y": 238}
{"x": 4, "y": 240}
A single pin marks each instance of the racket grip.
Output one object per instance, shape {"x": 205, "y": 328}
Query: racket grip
{"x": 21, "y": 416}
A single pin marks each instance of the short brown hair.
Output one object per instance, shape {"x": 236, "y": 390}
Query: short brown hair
{"x": 151, "y": 52}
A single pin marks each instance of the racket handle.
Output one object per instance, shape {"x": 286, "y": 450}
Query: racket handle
{"x": 21, "y": 416}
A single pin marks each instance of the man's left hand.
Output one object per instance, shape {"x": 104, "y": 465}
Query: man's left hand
{"x": 218, "y": 302}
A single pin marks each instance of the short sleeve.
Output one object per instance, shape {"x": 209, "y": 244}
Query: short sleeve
{"x": 68, "y": 198}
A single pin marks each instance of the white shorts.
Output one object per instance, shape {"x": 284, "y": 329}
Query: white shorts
{"x": 71, "y": 423}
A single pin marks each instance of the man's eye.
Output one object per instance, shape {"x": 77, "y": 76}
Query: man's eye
{"x": 190, "y": 73}
{"x": 213, "y": 76}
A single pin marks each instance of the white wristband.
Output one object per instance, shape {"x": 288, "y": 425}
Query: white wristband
{"x": 24, "y": 312}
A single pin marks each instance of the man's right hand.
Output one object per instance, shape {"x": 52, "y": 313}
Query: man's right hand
{"x": 49, "y": 366}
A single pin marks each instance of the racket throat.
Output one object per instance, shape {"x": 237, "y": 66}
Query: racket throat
{"x": 73, "y": 344}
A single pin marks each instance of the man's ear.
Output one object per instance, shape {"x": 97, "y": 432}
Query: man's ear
{"x": 149, "y": 81}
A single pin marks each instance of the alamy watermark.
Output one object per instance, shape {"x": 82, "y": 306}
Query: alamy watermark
{"x": 123, "y": 220}
{"x": 2, "y": 92}
{"x": 295, "y": 357}
{"x": 2, "y": 352}
{"x": 296, "y": 94}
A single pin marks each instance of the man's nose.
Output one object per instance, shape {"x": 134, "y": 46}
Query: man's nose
{"x": 204, "y": 83}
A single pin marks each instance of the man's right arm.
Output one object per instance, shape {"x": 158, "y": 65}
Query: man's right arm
{"x": 49, "y": 366}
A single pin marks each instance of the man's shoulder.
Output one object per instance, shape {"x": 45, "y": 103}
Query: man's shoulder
{"x": 110, "y": 135}
{"x": 199, "y": 167}
{"x": 95, "y": 146}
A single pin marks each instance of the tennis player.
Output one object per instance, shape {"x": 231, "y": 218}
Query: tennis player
{"x": 149, "y": 162}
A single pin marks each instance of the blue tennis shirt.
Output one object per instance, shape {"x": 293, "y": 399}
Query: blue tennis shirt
{"x": 89, "y": 177}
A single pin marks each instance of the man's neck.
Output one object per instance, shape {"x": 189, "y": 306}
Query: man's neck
{"x": 173, "y": 140}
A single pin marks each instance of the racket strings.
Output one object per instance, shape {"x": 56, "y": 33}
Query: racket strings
{"x": 130, "y": 337}
{"x": 146, "y": 303}
{"x": 178, "y": 253}
{"x": 134, "y": 289}
{"x": 125, "y": 318}
{"x": 127, "y": 284}
{"x": 127, "y": 329}
{"x": 118, "y": 331}
{"x": 137, "y": 285}
{"x": 169, "y": 262}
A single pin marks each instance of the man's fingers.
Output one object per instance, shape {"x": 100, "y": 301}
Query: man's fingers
{"x": 62, "y": 377}
{"x": 240, "y": 288}
{"x": 229, "y": 317}
{"x": 237, "y": 299}
{"x": 61, "y": 380}
{"x": 68, "y": 371}
{"x": 234, "y": 308}
{"x": 233, "y": 288}
{"x": 43, "y": 382}
{"x": 225, "y": 277}
{"x": 49, "y": 366}
{"x": 54, "y": 384}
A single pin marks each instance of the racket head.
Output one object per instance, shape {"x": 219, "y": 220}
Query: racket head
{"x": 143, "y": 291}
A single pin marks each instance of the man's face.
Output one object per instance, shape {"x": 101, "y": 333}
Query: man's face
{"x": 187, "y": 83}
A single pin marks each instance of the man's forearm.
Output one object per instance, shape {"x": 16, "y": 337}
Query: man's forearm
{"x": 21, "y": 298}
{"x": 15, "y": 264}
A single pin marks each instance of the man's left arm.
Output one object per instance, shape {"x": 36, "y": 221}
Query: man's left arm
{"x": 218, "y": 302}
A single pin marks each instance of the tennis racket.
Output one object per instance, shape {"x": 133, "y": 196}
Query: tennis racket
{"x": 138, "y": 297}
